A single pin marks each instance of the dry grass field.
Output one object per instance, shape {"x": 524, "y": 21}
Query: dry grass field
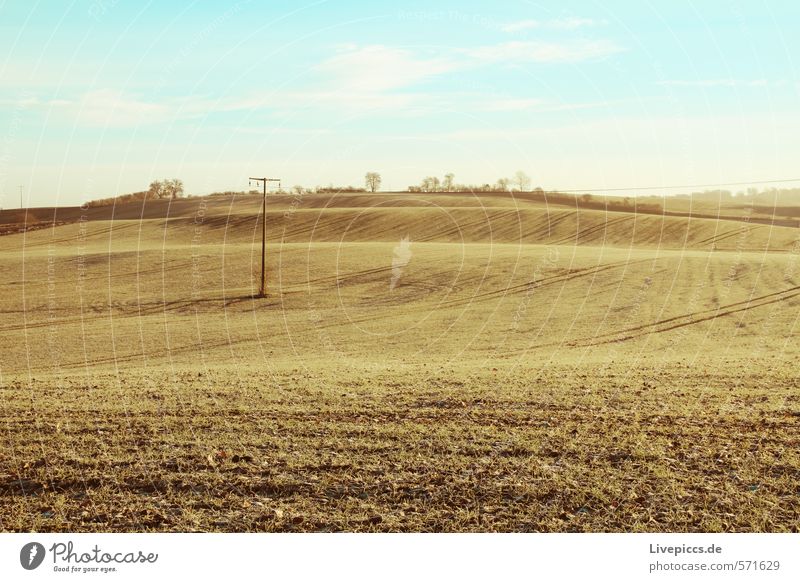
{"x": 433, "y": 362}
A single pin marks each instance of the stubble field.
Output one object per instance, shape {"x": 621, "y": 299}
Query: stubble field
{"x": 422, "y": 363}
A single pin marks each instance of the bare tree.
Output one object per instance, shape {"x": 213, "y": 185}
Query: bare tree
{"x": 523, "y": 181}
{"x": 502, "y": 184}
{"x": 172, "y": 188}
{"x": 427, "y": 184}
{"x": 165, "y": 189}
{"x": 372, "y": 181}
{"x": 436, "y": 185}
{"x": 447, "y": 185}
{"x": 154, "y": 190}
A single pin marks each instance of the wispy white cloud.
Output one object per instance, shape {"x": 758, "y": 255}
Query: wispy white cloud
{"x": 716, "y": 83}
{"x": 289, "y": 131}
{"x": 109, "y": 107}
{"x": 713, "y": 132}
{"x": 523, "y": 105}
{"x": 30, "y": 100}
{"x": 372, "y": 78}
{"x": 379, "y": 68}
{"x": 114, "y": 108}
{"x": 99, "y": 107}
{"x": 572, "y": 23}
{"x": 521, "y": 25}
{"x": 511, "y": 104}
{"x": 568, "y": 23}
{"x": 374, "y": 69}
{"x": 342, "y": 98}
{"x": 544, "y": 52}
{"x": 362, "y": 79}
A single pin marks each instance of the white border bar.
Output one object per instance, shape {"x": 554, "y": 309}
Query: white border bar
{"x": 371, "y": 557}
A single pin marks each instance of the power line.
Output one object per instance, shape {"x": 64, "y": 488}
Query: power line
{"x": 674, "y": 187}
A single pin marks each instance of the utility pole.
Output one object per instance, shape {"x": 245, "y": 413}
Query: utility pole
{"x": 263, "y": 290}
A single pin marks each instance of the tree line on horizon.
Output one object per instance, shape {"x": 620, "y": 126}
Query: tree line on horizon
{"x": 158, "y": 190}
{"x": 521, "y": 182}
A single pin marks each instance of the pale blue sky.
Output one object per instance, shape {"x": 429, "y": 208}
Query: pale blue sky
{"x": 100, "y": 97}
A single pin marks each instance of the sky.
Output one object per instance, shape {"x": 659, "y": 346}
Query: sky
{"x": 101, "y": 97}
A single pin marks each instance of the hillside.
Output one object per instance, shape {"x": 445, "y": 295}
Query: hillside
{"x": 480, "y": 280}
{"x": 421, "y": 363}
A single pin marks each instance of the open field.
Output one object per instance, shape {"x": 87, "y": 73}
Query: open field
{"x": 422, "y": 363}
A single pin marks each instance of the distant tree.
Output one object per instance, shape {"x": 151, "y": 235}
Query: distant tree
{"x": 586, "y": 198}
{"x": 522, "y": 180}
{"x": 426, "y": 185}
{"x": 172, "y": 188}
{"x": 447, "y": 185}
{"x": 502, "y": 184}
{"x": 298, "y": 190}
{"x": 155, "y": 190}
{"x": 165, "y": 189}
{"x": 435, "y": 184}
{"x": 372, "y": 181}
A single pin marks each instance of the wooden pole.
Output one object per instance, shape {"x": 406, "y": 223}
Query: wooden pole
{"x": 263, "y": 292}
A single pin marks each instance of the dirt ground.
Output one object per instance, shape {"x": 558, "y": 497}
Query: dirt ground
{"x": 421, "y": 363}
